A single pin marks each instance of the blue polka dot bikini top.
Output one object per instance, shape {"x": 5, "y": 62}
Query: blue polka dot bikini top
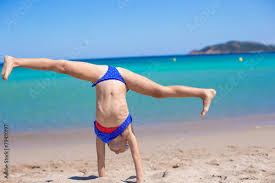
{"x": 112, "y": 73}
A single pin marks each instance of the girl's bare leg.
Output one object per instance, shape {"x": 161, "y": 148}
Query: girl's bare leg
{"x": 92, "y": 72}
{"x": 80, "y": 70}
{"x": 145, "y": 86}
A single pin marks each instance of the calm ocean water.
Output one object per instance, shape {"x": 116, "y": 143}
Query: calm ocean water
{"x": 35, "y": 100}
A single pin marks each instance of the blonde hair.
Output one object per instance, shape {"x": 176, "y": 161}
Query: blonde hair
{"x": 117, "y": 142}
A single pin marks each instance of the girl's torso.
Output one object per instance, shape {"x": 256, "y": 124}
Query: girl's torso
{"x": 111, "y": 104}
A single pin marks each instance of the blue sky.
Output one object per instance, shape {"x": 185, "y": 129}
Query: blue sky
{"x": 115, "y": 28}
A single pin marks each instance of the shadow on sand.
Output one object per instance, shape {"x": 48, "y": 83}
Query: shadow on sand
{"x": 129, "y": 181}
{"x": 83, "y": 178}
{"x": 95, "y": 177}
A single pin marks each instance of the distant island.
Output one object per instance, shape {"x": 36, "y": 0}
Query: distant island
{"x": 234, "y": 47}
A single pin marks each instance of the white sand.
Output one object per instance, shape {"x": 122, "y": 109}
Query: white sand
{"x": 243, "y": 155}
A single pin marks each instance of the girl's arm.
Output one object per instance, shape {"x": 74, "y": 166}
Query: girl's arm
{"x": 100, "y": 149}
{"x": 136, "y": 157}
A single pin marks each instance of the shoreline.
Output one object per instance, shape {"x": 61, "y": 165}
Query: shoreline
{"x": 191, "y": 127}
{"x": 256, "y": 118}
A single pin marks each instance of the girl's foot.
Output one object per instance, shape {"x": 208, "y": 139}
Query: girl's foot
{"x": 207, "y": 99}
{"x": 7, "y": 67}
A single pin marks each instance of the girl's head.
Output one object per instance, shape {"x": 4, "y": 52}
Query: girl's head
{"x": 120, "y": 144}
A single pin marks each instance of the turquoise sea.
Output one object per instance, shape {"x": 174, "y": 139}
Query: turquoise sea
{"x": 38, "y": 100}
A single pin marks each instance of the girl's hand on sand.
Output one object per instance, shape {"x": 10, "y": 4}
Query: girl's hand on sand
{"x": 140, "y": 180}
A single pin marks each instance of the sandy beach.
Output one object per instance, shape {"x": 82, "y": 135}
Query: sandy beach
{"x": 223, "y": 151}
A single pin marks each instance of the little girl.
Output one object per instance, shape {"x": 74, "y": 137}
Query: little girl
{"x": 112, "y": 124}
